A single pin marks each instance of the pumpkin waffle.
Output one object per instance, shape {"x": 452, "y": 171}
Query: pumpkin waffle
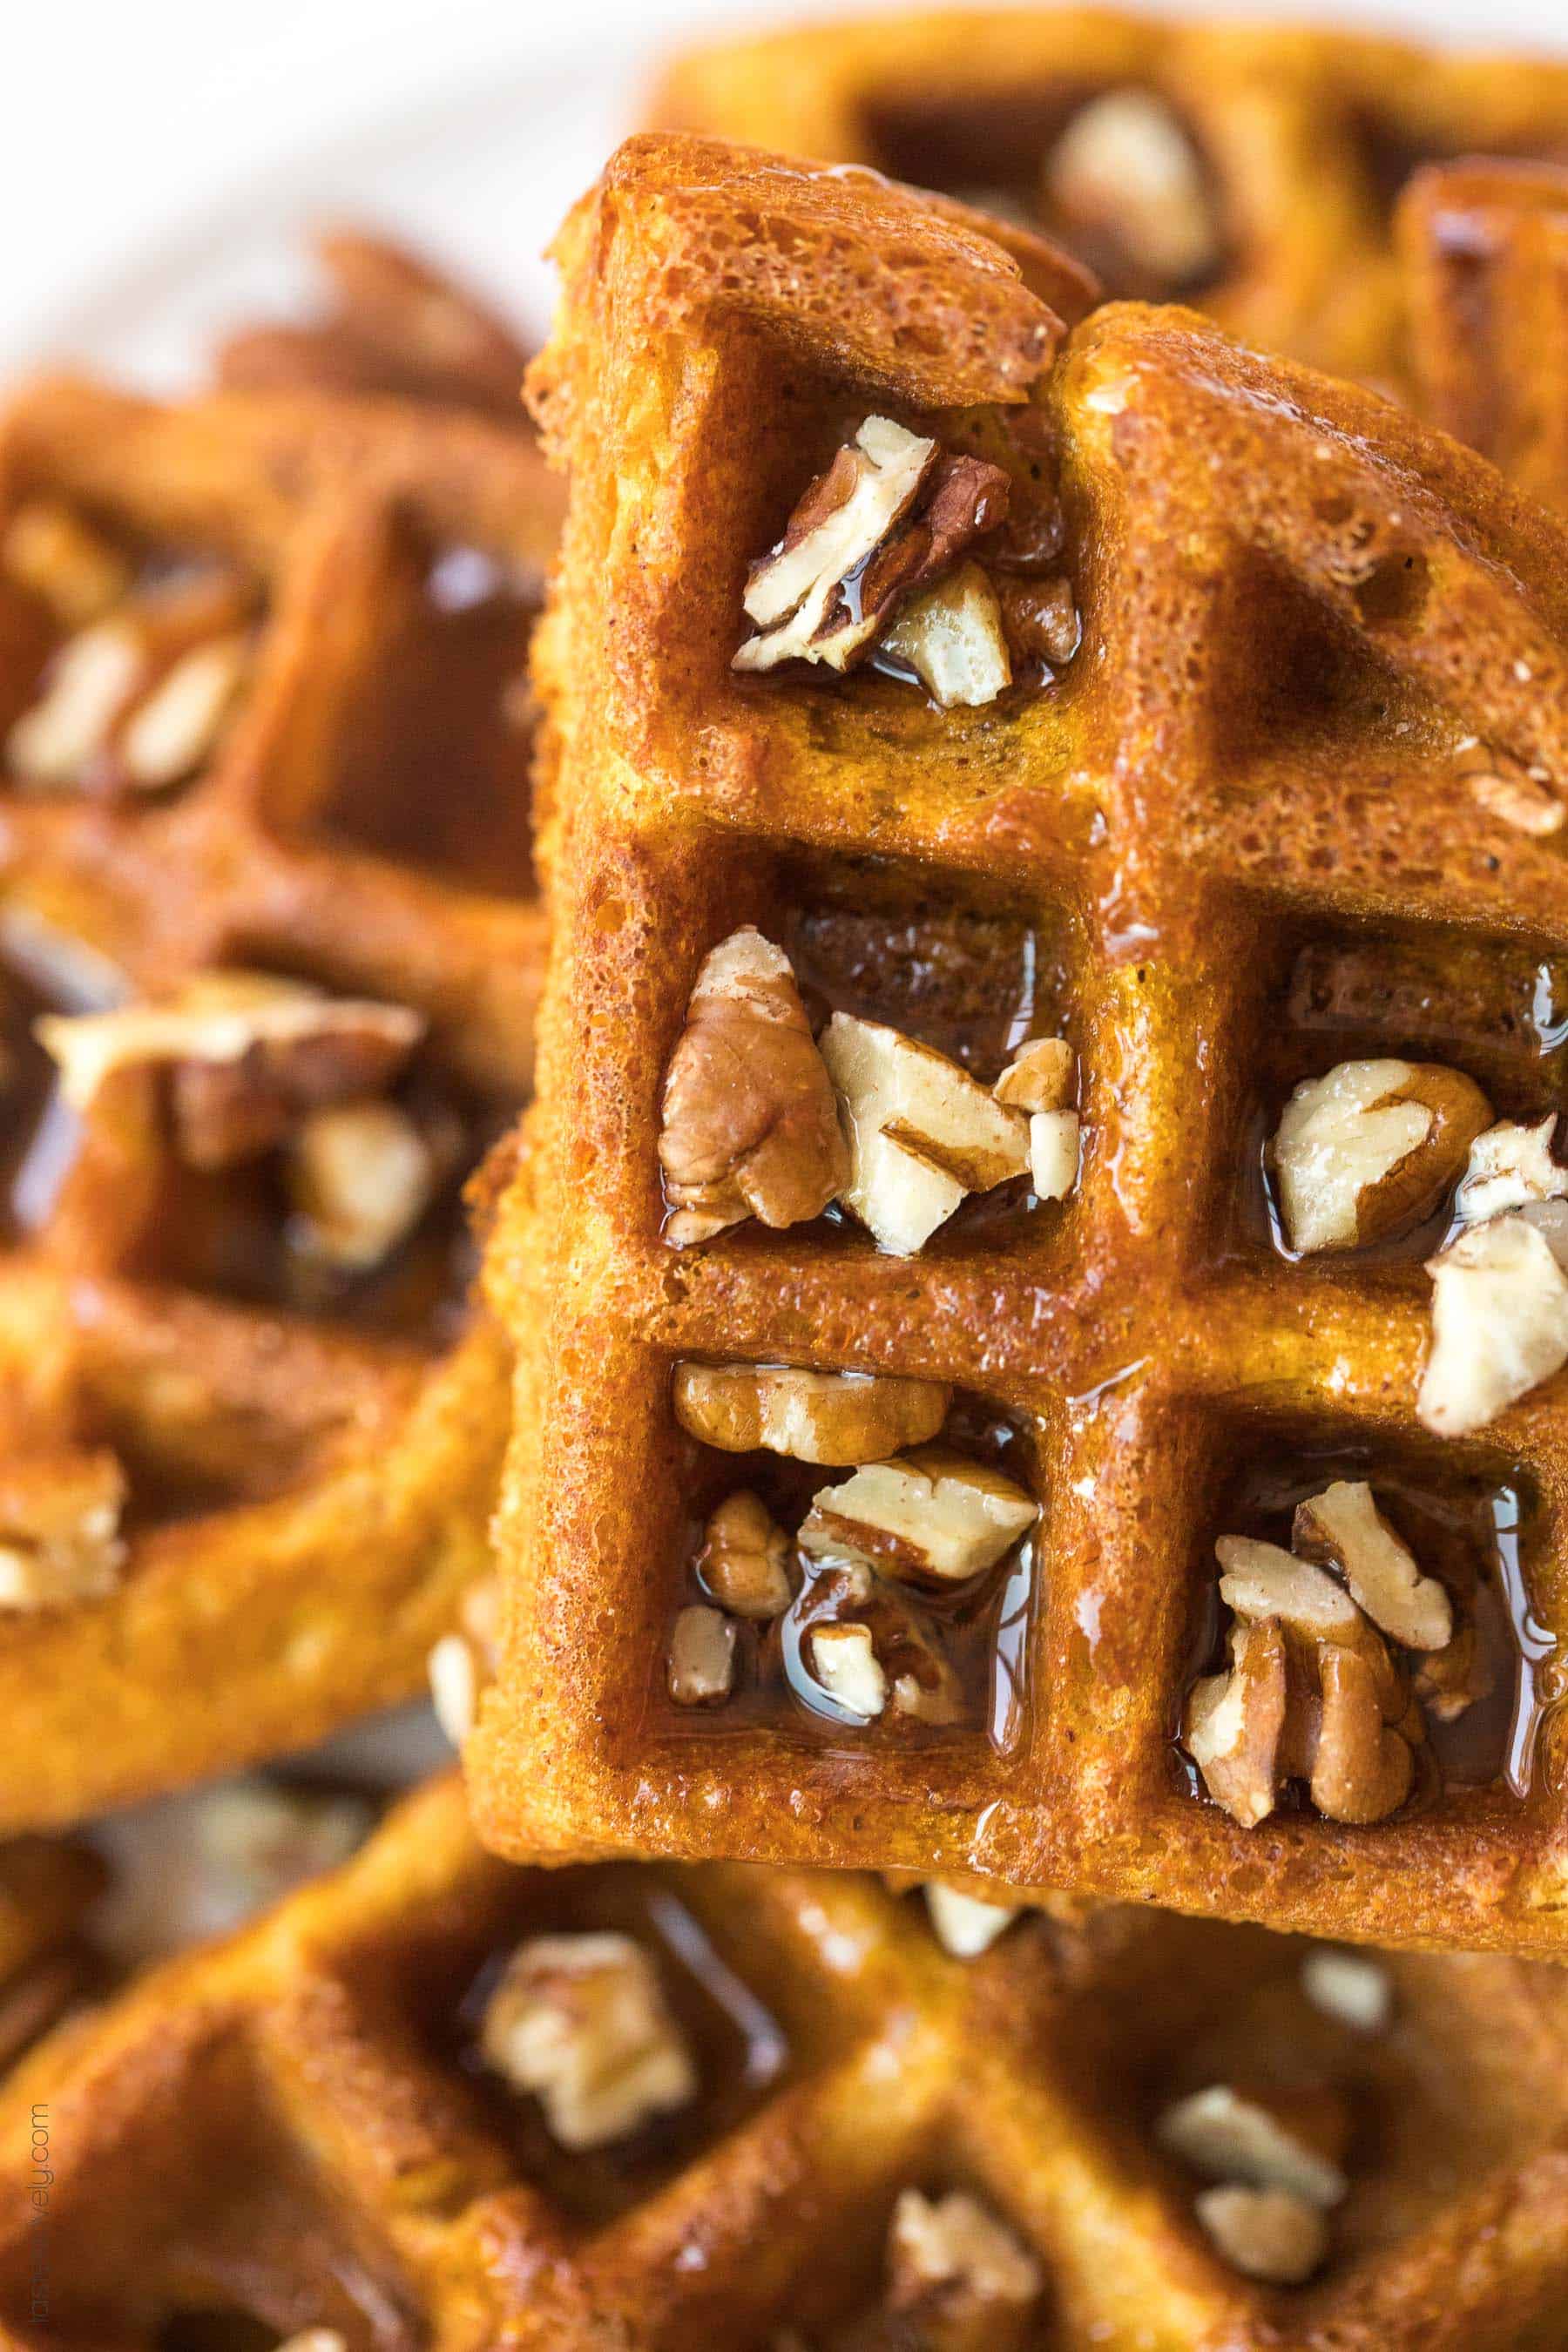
{"x": 1229, "y": 834}
{"x": 393, "y": 322}
{"x": 47, "y": 1889}
{"x": 266, "y": 895}
{"x": 1250, "y": 169}
{"x": 863, "y": 2142}
{"x": 1486, "y": 250}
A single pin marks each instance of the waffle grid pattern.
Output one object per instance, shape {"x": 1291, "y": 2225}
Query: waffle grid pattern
{"x": 1180, "y": 812}
{"x": 315, "y": 1479}
{"x": 1306, "y": 135}
{"x": 274, "y": 2128}
{"x": 1484, "y": 247}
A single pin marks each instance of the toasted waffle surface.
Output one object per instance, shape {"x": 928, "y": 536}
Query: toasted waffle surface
{"x": 266, "y": 740}
{"x": 1486, "y": 248}
{"x": 1249, "y": 169}
{"x": 301, "y": 2128}
{"x": 1227, "y": 842}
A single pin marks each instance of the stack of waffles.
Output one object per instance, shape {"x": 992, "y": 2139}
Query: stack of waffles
{"x": 981, "y": 1481}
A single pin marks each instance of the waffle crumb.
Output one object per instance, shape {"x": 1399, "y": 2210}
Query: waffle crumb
{"x": 59, "y": 1528}
{"x": 836, "y": 1419}
{"x": 581, "y": 2022}
{"x": 748, "y": 1124}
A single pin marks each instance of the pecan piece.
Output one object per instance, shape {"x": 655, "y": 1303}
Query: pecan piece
{"x": 750, "y": 1127}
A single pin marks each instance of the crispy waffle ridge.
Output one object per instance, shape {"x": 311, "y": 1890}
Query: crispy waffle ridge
{"x": 309, "y": 1471}
{"x": 1234, "y": 832}
{"x": 1486, "y": 247}
{"x": 292, "y": 2131}
{"x": 1305, "y": 138}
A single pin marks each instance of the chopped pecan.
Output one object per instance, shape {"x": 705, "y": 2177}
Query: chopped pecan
{"x": 952, "y": 637}
{"x": 1234, "y": 1723}
{"x": 1362, "y": 1765}
{"x": 838, "y": 1419}
{"x": 963, "y": 1924}
{"x": 1343, "y": 1527}
{"x": 1318, "y": 1696}
{"x": 1126, "y": 173}
{"x": 1267, "y": 2136}
{"x": 847, "y": 1665}
{"x": 1351, "y": 1987}
{"x": 1510, "y": 1167}
{"x": 1040, "y": 619}
{"x": 701, "y": 1656}
{"x": 953, "y": 2266}
{"x": 1525, "y": 798}
{"x": 922, "y": 1133}
{"x": 749, "y": 1126}
{"x": 1500, "y": 1317}
{"x": 361, "y": 1175}
{"x": 888, "y": 518}
{"x": 743, "y": 1560}
{"x": 898, "y": 1661}
{"x": 1449, "y": 1681}
{"x": 934, "y": 1516}
{"x": 1367, "y": 1151}
{"x": 581, "y": 2022}
{"x": 1264, "y": 2233}
{"x": 246, "y": 1055}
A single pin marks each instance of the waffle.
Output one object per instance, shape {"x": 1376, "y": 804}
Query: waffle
{"x": 299, "y": 2128}
{"x": 1234, "y": 838}
{"x": 391, "y": 322}
{"x": 1281, "y": 150}
{"x": 247, "y": 1460}
{"x": 1486, "y": 246}
{"x": 46, "y": 1965}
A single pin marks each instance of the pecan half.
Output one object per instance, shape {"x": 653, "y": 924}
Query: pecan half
{"x": 750, "y": 1127}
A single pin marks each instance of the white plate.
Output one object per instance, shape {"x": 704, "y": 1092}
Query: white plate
{"x": 480, "y": 184}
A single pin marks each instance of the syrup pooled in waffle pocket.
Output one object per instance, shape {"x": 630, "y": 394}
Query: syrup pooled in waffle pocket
{"x": 1253, "y": 170}
{"x": 270, "y": 944}
{"x": 1045, "y": 1204}
{"x": 434, "y": 2100}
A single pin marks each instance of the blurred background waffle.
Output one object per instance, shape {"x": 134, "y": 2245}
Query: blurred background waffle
{"x": 438, "y": 2101}
{"x": 1225, "y": 840}
{"x": 1252, "y": 170}
{"x": 269, "y": 904}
